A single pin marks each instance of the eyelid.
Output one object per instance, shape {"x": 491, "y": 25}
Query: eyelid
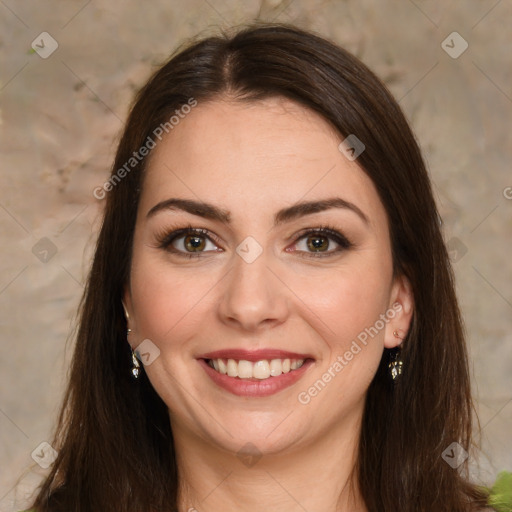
{"x": 328, "y": 231}
{"x": 325, "y": 230}
{"x": 167, "y": 237}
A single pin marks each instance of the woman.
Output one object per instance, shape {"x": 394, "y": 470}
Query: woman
{"x": 270, "y": 320}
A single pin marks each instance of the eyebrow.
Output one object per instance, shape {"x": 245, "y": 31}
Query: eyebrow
{"x": 295, "y": 211}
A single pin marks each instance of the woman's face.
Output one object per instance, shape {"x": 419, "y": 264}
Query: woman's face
{"x": 261, "y": 250}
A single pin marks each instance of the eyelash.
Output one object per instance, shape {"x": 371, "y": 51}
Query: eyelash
{"x": 165, "y": 239}
{"x": 329, "y": 232}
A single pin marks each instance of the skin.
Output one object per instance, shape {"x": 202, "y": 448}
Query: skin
{"x": 253, "y": 159}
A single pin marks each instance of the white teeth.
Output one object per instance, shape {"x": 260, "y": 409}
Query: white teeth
{"x": 244, "y": 369}
{"x": 232, "y": 368}
{"x": 262, "y": 369}
{"x": 276, "y": 367}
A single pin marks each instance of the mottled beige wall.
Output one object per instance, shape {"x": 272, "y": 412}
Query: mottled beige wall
{"x": 61, "y": 116}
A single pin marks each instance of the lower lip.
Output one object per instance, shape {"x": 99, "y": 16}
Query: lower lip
{"x": 255, "y": 387}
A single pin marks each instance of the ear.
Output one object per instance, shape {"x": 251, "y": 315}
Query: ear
{"x": 128, "y": 312}
{"x": 127, "y": 304}
{"x": 400, "y": 311}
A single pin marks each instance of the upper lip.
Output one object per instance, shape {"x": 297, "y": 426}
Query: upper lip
{"x": 253, "y": 355}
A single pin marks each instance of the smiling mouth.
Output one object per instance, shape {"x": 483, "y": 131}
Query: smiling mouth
{"x": 262, "y": 369}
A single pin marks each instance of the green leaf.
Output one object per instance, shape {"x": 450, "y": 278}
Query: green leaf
{"x": 500, "y": 496}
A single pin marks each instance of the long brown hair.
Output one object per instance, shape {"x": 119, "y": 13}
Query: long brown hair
{"x": 114, "y": 437}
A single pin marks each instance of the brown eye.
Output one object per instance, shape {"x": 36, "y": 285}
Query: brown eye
{"x": 317, "y": 243}
{"x": 188, "y": 242}
{"x": 320, "y": 242}
{"x": 194, "y": 243}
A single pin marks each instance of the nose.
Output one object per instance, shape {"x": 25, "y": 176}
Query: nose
{"x": 253, "y": 297}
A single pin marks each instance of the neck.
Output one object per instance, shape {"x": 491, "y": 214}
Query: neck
{"x": 320, "y": 476}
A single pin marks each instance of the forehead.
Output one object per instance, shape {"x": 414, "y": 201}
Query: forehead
{"x": 255, "y": 156}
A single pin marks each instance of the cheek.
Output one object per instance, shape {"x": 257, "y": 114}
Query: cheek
{"x": 165, "y": 299}
{"x": 346, "y": 308}
{"x": 346, "y": 301}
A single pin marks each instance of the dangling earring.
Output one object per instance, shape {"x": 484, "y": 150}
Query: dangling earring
{"x": 396, "y": 364}
{"x": 136, "y": 366}
{"x": 135, "y": 361}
